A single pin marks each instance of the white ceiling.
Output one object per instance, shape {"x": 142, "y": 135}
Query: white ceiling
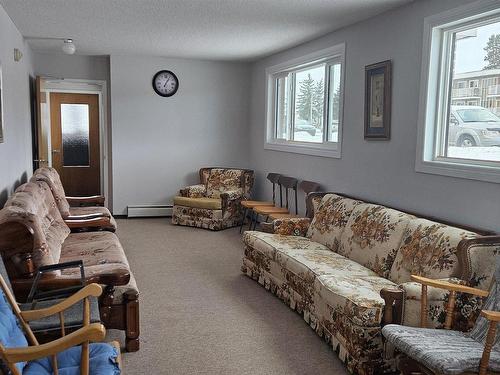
{"x": 203, "y": 29}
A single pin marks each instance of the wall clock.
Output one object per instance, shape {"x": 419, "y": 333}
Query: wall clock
{"x": 165, "y": 83}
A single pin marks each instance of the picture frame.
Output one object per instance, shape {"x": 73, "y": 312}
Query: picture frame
{"x": 1, "y": 107}
{"x": 378, "y": 100}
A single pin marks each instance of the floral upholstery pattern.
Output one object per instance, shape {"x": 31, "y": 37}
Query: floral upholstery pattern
{"x": 227, "y": 186}
{"x": 372, "y": 236}
{"x": 221, "y": 180}
{"x": 291, "y": 226}
{"x": 194, "y": 191}
{"x": 330, "y": 219}
{"x": 359, "y": 297}
{"x": 428, "y": 249}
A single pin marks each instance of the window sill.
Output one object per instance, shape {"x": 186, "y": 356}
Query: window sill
{"x": 460, "y": 170}
{"x": 313, "y": 149}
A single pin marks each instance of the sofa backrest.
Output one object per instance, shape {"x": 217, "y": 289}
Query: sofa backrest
{"x": 32, "y": 212}
{"x": 372, "y": 236}
{"x": 392, "y": 243}
{"x": 428, "y": 249}
{"x": 52, "y": 179}
{"x": 225, "y": 179}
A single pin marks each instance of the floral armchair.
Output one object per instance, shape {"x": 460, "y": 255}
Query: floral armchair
{"x": 214, "y": 203}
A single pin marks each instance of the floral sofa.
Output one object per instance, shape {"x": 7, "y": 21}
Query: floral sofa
{"x": 347, "y": 270}
{"x": 214, "y": 203}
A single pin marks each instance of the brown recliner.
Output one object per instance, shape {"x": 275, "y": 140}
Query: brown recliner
{"x": 80, "y": 213}
{"x": 34, "y": 234}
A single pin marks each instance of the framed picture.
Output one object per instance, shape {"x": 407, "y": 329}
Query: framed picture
{"x": 1, "y": 106}
{"x": 378, "y": 79}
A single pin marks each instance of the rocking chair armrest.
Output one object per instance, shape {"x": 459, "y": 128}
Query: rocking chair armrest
{"x": 93, "y": 332}
{"x": 449, "y": 286}
{"x": 91, "y": 290}
{"x": 492, "y": 316}
{"x": 97, "y": 200}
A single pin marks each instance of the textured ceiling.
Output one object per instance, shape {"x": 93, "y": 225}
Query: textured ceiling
{"x": 204, "y": 29}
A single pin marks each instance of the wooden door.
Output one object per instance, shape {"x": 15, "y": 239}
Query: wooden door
{"x": 75, "y": 142}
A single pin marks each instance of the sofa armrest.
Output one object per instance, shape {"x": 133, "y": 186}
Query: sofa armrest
{"x": 95, "y": 222}
{"x": 193, "y": 191}
{"x": 296, "y": 226}
{"x": 230, "y": 200}
{"x": 95, "y": 200}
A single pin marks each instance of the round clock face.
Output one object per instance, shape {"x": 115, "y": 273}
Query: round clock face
{"x": 165, "y": 83}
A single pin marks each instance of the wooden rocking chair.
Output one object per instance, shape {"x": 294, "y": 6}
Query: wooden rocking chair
{"x": 444, "y": 351}
{"x": 69, "y": 352}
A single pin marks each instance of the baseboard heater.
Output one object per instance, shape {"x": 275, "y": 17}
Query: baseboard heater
{"x": 149, "y": 210}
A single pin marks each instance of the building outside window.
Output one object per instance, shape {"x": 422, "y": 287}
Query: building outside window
{"x": 459, "y": 125}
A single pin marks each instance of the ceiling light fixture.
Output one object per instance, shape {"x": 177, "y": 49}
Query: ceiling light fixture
{"x": 68, "y": 47}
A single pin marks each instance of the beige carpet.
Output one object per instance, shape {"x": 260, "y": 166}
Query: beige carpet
{"x": 201, "y": 315}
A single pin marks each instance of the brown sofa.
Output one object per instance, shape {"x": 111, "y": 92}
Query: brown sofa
{"x": 34, "y": 234}
{"x": 214, "y": 203}
{"x": 80, "y": 213}
{"x": 347, "y": 270}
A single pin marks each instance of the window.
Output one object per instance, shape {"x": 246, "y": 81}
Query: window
{"x": 305, "y": 104}
{"x": 459, "y": 126}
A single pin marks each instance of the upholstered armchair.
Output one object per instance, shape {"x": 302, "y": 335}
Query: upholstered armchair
{"x": 214, "y": 203}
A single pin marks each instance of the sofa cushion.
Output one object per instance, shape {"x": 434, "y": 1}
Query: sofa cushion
{"x": 320, "y": 262}
{"x": 202, "y": 202}
{"x": 330, "y": 219}
{"x": 221, "y": 180}
{"x": 103, "y": 360}
{"x": 357, "y": 297}
{"x": 101, "y": 253}
{"x": 428, "y": 249}
{"x": 269, "y": 244}
{"x": 372, "y": 236}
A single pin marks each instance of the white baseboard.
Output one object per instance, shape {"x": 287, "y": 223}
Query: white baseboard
{"x": 149, "y": 211}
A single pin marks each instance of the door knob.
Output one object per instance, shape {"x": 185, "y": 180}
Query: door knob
{"x": 55, "y": 151}
{"x": 40, "y": 160}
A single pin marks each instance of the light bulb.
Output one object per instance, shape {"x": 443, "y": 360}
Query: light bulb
{"x": 68, "y": 47}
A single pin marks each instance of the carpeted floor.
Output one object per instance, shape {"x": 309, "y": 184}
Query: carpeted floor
{"x": 201, "y": 315}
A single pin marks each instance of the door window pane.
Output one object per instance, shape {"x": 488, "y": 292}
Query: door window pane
{"x": 473, "y": 127}
{"x": 75, "y": 135}
{"x": 309, "y": 103}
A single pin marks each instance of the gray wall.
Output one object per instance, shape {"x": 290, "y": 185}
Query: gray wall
{"x": 378, "y": 171}
{"x": 15, "y": 152}
{"x": 71, "y": 66}
{"x": 160, "y": 143}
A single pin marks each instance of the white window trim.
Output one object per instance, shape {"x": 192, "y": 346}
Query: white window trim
{"x": 429, "y": 96}
{"x": 326, "y": 149}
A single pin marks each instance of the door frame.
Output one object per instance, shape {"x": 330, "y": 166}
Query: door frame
{"x": 86, "y": 86}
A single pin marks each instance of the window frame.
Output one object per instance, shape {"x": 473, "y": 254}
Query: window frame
{"x": 328, "y": 57}
{"x": 435, "y": 93}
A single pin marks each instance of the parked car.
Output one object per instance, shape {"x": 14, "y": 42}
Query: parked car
{"x": 473, "y": 126}
{"x": 304, "y": 126}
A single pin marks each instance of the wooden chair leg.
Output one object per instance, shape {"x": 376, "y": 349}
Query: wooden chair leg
{"x": 131, "y": 300}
